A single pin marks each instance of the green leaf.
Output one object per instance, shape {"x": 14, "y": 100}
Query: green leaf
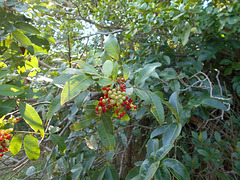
{"x": 143, "y": 95}
{"x": 133, "y": 174}
{"x": 107, "y": 68}
{"x": 7, "y": 106}
{"x": 76, "y": 171}
{"x": 8, "y": 26}
{"x": 186, "y": 33}
{"x": 31, "y": 147}
{"x": 176, "y": 168}
{"x": 105, "y": 56}
{"x": 27, "y": 27}
{"x": 16, "y": 144}
{"x": 10, "y": 90}
{"x": 233, "y": 19}
{"x": 107, "y": 139}
{"x": 157, "y": 108}
{"x": 58, "y": 140}
{"x": 115, "y": 71}
{"x": 74, "y": 86}
{"x": 104, "y": 81}
{"x": 145, "y": 73}
{"x": 152, "y": 170}
{"x": 87, "y": 68}
{"x": 99, "y": 173}
{"x": 175, "y": 102}
{"x": 89, "y": 163}
{"x": 203, "y": 152}
{"x": 112, "y": 47}
{"x": 162, "y": 152}
{"x": 214, "y": 103}
{"x": 54, "y": 106}
{"x": 217, "y": 136}
{"x": 162, "y": 173}
{"x": 222, "y": 176}
{"x": 125, "y": 71}
{"x": 24, "y": 40}
{"x": 106, "y": 119}
{"x": 40, "y": 41}
{"x": 158, "y": 131}
{"x": 80, "y": 98}
{"x": 152, "y": 146}
{"x": 147, "y": 29}
{"x": 171, "y": 133}
{"x": 86, "y": 120}
{"x": 167, "y": 58}
{"x": 144, "y": 169}
{"x": 31, "y": 117}
{"x": 111, "y": 173}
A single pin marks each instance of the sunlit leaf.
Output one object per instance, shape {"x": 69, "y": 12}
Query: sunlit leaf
{"x": 10, "y": 90}
{"x": 112, "y": 47}
{"x": 16, "y": 143}
{"x": 87, "y": 68}
{"x": 27, "y": 27}
{"x": 24, "y": 40}
{"x": 31, "y": 147}
{"x": 107, "y": 68}
{"x": 74, "y": 86}
{"x": 31, "y": 117}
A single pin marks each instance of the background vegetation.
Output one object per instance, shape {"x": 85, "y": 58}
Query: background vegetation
{"x": 180, "y": 60}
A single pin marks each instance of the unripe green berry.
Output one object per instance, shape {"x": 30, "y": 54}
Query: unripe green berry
{"x": 112, "y": 96}
{"x": 118, "y": 104}
{"x": 112, "y": 101}
{"x": 110, "y": 92}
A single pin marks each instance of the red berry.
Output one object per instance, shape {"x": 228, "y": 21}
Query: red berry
{"x": 116, "y": 111}
{"x": 118, "y": 116}
{"x": 154, "y": 107}
{"x": 124, "y": 112}
{"x": 104, "y": 88}
{"x": 135, "y": 107}
{"x": 121, "y": 114}
{"x": 109, "y": 107}
{"x": 8, "y": 137}
{"x": 17, "y": 119}
{"x": 6, "y": 149}
{"x": 107, "y": 89}
{"x": 101, "y": 98}
{"x": 96, "y": 108}
{"x": 1, "y": 155}
{"x": 108, "y": 85}
{"x": 1, "y": 139}
{"x": 126, "y": 97}
{"x": 123, "y": 79}
{"x": 128, "y": 107}
{"x": 96, "y": 112}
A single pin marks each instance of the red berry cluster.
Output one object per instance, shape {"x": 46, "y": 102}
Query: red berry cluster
{"x": 4, "y": 141}
{"x": 115, "y": 98}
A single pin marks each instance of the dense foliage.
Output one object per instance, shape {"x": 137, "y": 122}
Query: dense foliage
{"x": 139, "y": 89}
